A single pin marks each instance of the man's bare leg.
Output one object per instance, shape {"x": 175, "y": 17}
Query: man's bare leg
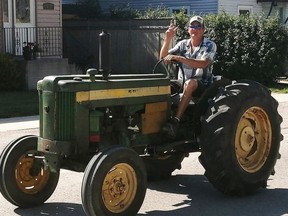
{"x": 190, "y": 87}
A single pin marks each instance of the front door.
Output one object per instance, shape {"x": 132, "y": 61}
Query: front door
{"x": 19, "y": 23}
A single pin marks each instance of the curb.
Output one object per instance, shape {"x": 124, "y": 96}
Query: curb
{"x": 18, "y": 123}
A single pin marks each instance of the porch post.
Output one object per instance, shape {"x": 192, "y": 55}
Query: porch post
{"x": 1, "y": 29}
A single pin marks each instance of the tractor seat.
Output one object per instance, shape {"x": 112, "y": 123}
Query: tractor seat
{"x": 175, "y": 87}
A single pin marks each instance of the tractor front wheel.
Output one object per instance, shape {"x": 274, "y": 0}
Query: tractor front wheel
{"x": 114, "y": 183}
{"x": 25, "y": 182}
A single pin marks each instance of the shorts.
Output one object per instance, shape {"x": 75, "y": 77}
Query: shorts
{"x": 176, "y": 87}
{"x": 200, "y": 89}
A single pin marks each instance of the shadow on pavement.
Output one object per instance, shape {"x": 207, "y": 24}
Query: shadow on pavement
{"x": 203, "y": 200}
{"x": 52, "y": 209}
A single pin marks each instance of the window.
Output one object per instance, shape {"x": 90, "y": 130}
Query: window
{"x": 245, "y": 10}
{"x": 178, "y": 9}
{"x": 5, "y": 11}
{"x": 23, "y": 11}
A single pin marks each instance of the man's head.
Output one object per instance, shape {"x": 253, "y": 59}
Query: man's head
{"x": 196, "y": 21}
{"x": 196, "y": 26}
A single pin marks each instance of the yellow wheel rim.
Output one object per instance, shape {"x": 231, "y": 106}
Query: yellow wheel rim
{"x": 119, "y": 188}
{"x": 253, "y": 139}
{"x": 27, "y": 182}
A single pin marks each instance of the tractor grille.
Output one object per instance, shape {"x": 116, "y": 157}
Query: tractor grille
{"x": 65, "y": 115}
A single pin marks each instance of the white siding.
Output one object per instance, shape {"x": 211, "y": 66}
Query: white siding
{"x": 231, "y": 6}
{"x": 196, "y": 6}
{"x": 1, "y": 32}
{"x": 49, "y": 39}
{"x": 49, "y": 18}
{"x": 281, "y": 9}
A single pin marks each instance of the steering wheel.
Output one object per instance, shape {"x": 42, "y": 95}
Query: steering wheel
{"x": 171, "y": 70}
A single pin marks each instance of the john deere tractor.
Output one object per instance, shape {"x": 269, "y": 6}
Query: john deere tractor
{"x": 109, "y": 127}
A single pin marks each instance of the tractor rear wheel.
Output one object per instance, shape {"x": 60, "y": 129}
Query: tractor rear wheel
{"x": 240, "y": 138}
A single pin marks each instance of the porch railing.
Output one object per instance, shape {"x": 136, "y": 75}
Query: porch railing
{"x": 48, "y": 40}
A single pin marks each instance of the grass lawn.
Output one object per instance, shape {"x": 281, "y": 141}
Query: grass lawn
{"x": 22, "y": 103}
{"x": 280, "y": 87}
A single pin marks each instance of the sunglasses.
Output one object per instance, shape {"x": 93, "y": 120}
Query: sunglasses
{"x": 195, "y": 26}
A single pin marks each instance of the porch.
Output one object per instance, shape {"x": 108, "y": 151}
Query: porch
{"x": 39, "y": 51}
{"x": 46, "y": 41}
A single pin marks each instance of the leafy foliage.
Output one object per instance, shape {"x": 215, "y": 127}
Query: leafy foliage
{"x": 247, "y": 47}
{"x": 11, "y": 77}
{"x": 154, "y": 12}
{"x": 123, "y": 11}
{"x": 88, "y": 9}
{"x": 181, "y": 20}
{"x": 126, "y": 11}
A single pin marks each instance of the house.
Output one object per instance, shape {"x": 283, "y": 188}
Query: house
{"x": 1, "y": 26}
{"x": 262, "y": 7}
{"x": 41, "y": 21}
{"x": 28, "y": 24}
{"x": 31, "y": 21}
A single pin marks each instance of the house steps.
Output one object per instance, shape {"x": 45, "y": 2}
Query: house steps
{"x": 46, "y": 66}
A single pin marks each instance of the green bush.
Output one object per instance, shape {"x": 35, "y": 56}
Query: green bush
{"x": 11, "y": 78}
{"x": 154, "y": 12}
{"x": 247, "y": 47}
{"x": 88, "y": 9}
{"x": 123, "y": 11}
{"x": 126, "y": 11}
{"x": 181, "y": 20}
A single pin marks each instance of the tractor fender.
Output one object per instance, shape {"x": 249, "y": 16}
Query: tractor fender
{"x": 202, "y": 103}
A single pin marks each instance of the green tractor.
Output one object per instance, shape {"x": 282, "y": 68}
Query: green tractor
{"x": 109, "y": 127}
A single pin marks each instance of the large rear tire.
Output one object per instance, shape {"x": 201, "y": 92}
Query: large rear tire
{"x": 240, "y": 138}
{"x": 114, "y": 183}
{"x": 24, "y": 182}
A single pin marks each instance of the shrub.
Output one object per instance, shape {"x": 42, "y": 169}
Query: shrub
{"x": 181, "y": 19}
{"x": 154, "y": 12}
{"x": 88, "y": 9}
{"x": 123, "y": 11}
{"x": 11, "y": 78}
{"x": 126, "y": 11}
{"x": 248, "y": 47}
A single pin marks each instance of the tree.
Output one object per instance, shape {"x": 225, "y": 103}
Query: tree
{"x": 88, "y": 9}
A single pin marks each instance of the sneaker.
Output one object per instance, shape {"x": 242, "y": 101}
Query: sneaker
{"x": 170, "y": 128}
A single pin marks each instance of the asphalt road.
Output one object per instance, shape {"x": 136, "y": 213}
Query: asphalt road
{"x": 186, "y": 193}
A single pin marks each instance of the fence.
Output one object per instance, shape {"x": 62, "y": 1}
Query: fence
{"x": 48, "y": 39}
{"x": 135, "y": 44}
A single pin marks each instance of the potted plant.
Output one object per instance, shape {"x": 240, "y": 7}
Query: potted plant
{"x": 31, "y": 50}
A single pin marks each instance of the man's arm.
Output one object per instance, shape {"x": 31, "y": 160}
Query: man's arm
{"x": 169, "y": 34}
{"x": 165, "y": 48}
{"x": 193, "y": 63}
{"x": 205, "y": 61}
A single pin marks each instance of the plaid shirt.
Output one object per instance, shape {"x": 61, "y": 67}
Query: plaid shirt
{"x": 206, "y": 50}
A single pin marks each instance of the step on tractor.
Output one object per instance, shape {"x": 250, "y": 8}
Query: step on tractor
{"x": 109, "y": 127}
